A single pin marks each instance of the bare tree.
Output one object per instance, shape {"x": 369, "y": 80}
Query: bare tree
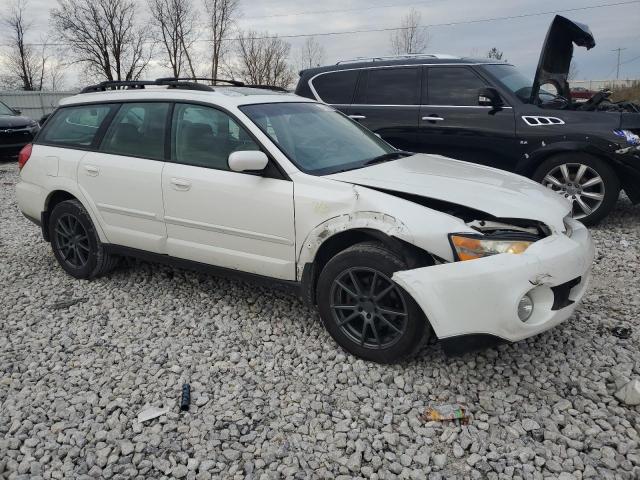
{"x": 174, "y": 24}
{"x": 311, "y": 54}
{"x": 220, "y": 18}
{"x": 23, "y": 60}
{"x": 496, "y": 54}
{"x": 410, "y": 37}
{"x": 104, "y": 36}
{"x": 263, "y": 60}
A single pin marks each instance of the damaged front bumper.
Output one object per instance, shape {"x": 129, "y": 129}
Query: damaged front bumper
{"x": 480, "y": 297}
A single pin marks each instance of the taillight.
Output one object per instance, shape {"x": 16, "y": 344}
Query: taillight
{"x": 24, "y": 155}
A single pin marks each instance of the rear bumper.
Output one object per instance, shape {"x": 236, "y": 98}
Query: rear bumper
{"x": 481, "y": 296}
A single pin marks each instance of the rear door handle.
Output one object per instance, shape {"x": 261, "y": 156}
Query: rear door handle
{"x": 92, "y": 170}
{"x": 357, "y": 117}
{"x": 180, "y": 184}
{"x": 433, "y": 118}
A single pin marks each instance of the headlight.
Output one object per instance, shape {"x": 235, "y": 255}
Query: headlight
{"x": 629, "y": 136}
{"x": 468, "y": 247}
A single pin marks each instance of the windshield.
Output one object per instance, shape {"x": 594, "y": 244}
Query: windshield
{"x": 316, "y": 138}
{"x": 518, "y": 83}
{"x": 4, "y": 110}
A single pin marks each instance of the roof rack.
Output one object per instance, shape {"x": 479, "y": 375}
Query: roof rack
{"x": 438, "y": 56}
{"x": 186, "y": 83}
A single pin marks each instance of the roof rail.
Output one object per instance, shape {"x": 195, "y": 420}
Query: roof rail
{"x": 438, "y": 56}
{"x": 187, "y": 83}
{"x": 268, "y": 87}
{"x": 235, "y": 83}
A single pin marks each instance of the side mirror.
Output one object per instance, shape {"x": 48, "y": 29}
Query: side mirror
{"x": 489, "y": 97}
{"x": 16, "y": 111}
{"x": 248, "y": 161}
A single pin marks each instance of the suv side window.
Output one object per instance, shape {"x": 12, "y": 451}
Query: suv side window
{"x": 453, "y": 86}
{"x": 205, "y": 137}
{"x": 392, "y": 86}
{"x": 336, "y": 88}
{"x": 138, "y": 130}
{"x": 74, "y": 126}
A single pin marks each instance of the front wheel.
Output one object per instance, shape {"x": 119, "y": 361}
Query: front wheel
{"x": 587, "y": 182}
{"x": 365, "y": 312}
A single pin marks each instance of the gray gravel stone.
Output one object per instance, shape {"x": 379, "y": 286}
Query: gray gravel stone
{"x": 276, "y": 398}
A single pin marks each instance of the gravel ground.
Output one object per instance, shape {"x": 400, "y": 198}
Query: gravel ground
{"x": 272, "y": 394}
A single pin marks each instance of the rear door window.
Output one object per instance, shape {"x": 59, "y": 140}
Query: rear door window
{"x": 392, "y": 86}
{"x": 75, "y": 126}
{"x": 138, "y": 130}
{"x": 456, "y": 86}
{"x": 336, "y": 88}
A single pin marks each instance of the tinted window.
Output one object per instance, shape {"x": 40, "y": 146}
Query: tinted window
{"x": 453, "y": 86}
{"x": 392, "y": 86}
{"x": 138, "y": 129}
{"x": 336, "y": 88}
{"x": 75, "y": 126}
{"x": 205, "y": 137}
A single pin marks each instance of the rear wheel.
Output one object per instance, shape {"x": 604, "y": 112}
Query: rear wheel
{"x": 587, "y": 182}
{"x": 367, "y": 313}
{"x": 75, "y": 242}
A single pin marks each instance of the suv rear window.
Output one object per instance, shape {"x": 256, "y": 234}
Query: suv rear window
{"x": 336, "y": 88}
{"x": 74, "y": 126}
{"x": 138, "y": 130}
{"x": 453, "y": 86}
{"x": 392, "y": 86}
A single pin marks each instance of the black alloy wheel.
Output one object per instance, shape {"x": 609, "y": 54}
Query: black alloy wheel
{"x": 72, "y": 240}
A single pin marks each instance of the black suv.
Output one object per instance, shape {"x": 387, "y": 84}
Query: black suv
{"x": 15, "y": 131}
{"x": 487, "y": 112}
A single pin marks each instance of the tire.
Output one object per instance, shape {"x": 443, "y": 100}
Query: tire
{"x": 591, "y": 201}
{"x": 75, "y": 242}
{"x": 382, "y": 343}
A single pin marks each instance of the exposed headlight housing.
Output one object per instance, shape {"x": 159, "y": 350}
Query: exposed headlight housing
{"x": 472, "y": 247}
{"x": 629, "y": 136}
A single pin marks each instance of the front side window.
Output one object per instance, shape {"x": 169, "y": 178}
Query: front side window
{"x": 205, "y": 137}
{"x": 317, "y": 138}
{"x": 138, "y": 130}
{"x": 74, "y": 126}
{"x": 336, "y": 88}
{"x": 392, "y": 86}
{"x": 453, "y": 86}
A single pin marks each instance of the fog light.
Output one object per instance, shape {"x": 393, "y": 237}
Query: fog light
{"x": 525, "y": 308}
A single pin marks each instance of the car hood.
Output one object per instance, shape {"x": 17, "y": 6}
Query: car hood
{"x": 498, "y": 193}
{"x": 12, "y": 121}
{"x": 557, "y": 51}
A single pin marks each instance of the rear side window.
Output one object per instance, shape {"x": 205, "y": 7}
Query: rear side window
{"x": 205, "y": 137}
{"x": 138, "y": 130}
{"x": 336, "y": 88}
{"x": 74, "y": 126}
{"x": 453, "y": 86}
{"x": 392, "y": 86}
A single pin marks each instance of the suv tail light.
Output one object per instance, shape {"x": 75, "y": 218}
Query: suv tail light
{"x": 24, "y": 155}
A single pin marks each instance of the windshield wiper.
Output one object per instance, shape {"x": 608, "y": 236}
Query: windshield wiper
{"x": 388, "y": 156}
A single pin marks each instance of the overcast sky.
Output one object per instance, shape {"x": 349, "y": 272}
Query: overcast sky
{"x": 519, "y": 38}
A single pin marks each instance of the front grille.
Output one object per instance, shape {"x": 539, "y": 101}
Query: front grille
{"x": 561, "y": 293}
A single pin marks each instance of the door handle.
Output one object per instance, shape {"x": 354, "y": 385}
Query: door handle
{"x": 92, "y": 170}
{"x": 433, "y": 118}
{"x": 357, "y": 117}
{"x": 180, "y": 184}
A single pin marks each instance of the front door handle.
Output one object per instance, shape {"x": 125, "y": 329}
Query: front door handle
{"x": 92, "y": 170}
{"x": 433, "y": 118}
{"x": 180, "y": 184}
{"x": 357, "y": 117}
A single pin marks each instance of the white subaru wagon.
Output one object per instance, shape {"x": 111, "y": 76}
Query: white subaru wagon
{"x": 392, "y": 247}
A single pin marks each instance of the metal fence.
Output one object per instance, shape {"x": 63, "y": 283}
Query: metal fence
{"x": 33, "y": 104}
{"x": 595, "y": 85}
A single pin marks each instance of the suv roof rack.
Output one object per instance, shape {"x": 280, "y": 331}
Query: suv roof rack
{"x": 439, "y": 56}
{"x": 187, "y": 83}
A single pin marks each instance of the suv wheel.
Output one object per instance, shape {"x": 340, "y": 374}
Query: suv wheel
{"x": 365, "y": 312}
{"x": 587, "y": 182}
{"x": 75, "y": 242}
